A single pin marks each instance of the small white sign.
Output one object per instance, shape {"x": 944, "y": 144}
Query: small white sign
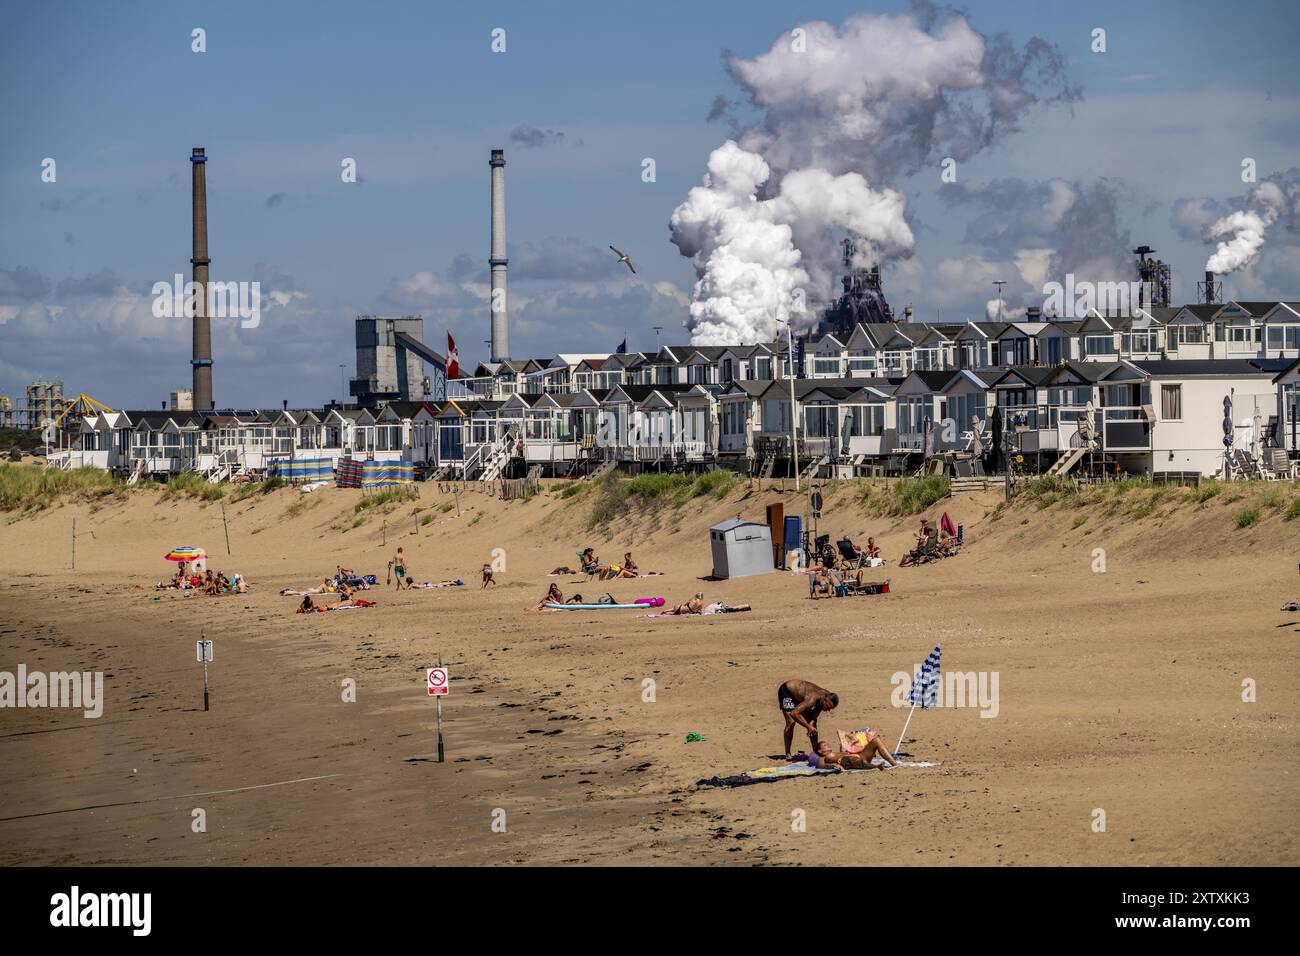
{"x": 204, "y": 650}
{"x": 439, "y": 682}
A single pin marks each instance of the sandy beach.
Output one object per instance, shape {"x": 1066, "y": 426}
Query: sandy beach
{"x": 1118, "y": 691}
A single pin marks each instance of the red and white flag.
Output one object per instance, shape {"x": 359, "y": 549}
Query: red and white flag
{"x": 453, "y": 358}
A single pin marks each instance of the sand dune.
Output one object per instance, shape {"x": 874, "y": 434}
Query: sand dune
{"x": 1119, "y": 691}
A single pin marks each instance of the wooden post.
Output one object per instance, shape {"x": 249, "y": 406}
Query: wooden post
{"x": 74, "y": 544}
{"x": 226, "y": 528}
{"x": 384, "y": 529}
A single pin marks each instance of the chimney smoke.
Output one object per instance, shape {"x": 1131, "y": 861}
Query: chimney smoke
{"x": 497, "y": 259}
{"x": 201, "y": 359}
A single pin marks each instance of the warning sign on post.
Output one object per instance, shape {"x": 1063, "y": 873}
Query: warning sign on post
{"x": 439, "y": 684}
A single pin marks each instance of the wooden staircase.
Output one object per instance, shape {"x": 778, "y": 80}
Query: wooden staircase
{"x": 961, "y": 486}
{"x": 813, "y": 467}
{"x": 1064, "y": 464}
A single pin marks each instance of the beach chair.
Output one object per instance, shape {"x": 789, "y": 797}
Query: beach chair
{"x": 849, "y": 554}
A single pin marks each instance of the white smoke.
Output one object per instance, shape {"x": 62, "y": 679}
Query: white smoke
{"x": 997, "y": 310}
{"x": 752, "y": 274}
{"x": 843, "y": 109}
{"x": 1248, "y": 228}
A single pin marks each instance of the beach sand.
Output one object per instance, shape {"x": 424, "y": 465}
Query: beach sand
{"x": 1119, "y": 692}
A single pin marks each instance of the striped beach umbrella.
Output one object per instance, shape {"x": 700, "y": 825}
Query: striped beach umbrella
{"x": 185, "y": 554}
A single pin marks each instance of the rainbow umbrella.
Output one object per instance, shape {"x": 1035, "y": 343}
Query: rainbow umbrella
{"x": 185, "y": 554}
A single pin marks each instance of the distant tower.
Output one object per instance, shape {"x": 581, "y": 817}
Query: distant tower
{"x": 1155, "y": 277}
{"x": 201, "y": 359}
{"x": 863, "y": 299}
{"x": 498, "y": 260}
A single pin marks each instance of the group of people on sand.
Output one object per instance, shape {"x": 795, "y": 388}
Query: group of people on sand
{"x": 207, "y": 582}
{"x": 590, "y": 564}
{"x": 931, "y": 543}
{"x": 801, "y": 703}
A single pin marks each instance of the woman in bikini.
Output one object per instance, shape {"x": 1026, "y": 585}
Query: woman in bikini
{"x": 553, "y": 596}
{"x": 694, "y": 606}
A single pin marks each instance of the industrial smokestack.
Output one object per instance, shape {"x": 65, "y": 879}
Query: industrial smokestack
{"x": 1209, "y": 287}
{"x": 201, "y": 360}
{"x": 497, "y": 260}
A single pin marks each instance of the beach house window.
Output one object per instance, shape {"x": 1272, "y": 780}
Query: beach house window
{"x": 776, "y": 415}
{"x": 826, "y": 366}
{"x": 820, "y": 421}
{"x": 1098, "y": 344}
{"x": 1284, "y": 336}
{"x": 763, "y": 368}
{"x": 860, "y": 360}
{"x": 868, "y": 420}
{"x": 1171, "y": 402}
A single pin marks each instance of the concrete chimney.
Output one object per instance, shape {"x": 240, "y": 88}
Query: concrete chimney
{"x": 497, "y": 260}
{"x": 201, "y": 359}
{"x": 1209, "y": 287}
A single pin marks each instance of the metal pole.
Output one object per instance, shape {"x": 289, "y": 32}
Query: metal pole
{"x": 226, "y": 528}
{"x": 440, "y": 747}
{"x": 204, "y": 637}
{"x": 899, "y": 746}
{"x": 1006, "y": 454}
{"x": 794, "y": 434}
{"x": 74, "y": 544}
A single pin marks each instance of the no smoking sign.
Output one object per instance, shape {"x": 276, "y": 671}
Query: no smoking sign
{"x": 439, "y": 683}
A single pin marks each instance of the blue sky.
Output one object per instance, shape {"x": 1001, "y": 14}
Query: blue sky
{"x": 413, "y": 92}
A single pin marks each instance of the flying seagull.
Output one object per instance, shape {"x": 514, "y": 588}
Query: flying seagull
{"x": 622, "y": 257}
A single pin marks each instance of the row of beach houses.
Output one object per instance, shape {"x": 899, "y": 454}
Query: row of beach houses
{"x": 1152, "y": 393}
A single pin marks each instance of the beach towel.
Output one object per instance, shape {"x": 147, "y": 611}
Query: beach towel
{"x": 441, "y": 584}
{"x": 790, "y": 771}
{"x": 710, "y": 609}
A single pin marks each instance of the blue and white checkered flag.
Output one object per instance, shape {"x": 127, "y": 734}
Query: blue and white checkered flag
{"x": 925, "y": 686}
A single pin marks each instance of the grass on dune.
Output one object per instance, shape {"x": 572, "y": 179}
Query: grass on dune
{"x": 36, "y": 487}
{"x": 615, "y": 494}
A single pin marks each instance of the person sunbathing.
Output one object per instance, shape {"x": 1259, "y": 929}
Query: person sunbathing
{"x": 872, "y": 550}
{"x": 857, "y": 761}
{"x": 826, "y": 583}
{"x": 629, "y": 564}
{"x": 345, "y": 593}
{"x": 694, "y": 606}
{"x": 306, "y": 607}
{"x": 553, "y": 596}
{"x": 589, "y": 563}
{"x": 576, "y": 599}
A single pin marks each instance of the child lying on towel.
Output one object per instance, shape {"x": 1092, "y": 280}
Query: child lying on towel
{"x": 441, "y": 584}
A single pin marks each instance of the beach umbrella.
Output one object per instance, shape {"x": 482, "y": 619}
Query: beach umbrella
{"x": 185, "y": 555}
{"x": 977, "y": 436}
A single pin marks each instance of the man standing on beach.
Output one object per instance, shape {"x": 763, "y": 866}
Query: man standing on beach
{"x": 399, "y": 567}
{"x": 802, "y": 702}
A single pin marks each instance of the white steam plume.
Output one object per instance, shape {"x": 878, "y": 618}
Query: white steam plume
{"x": 751, "y": 273}
{"x": 1247, "y": 228}
{"x": 876, "y": 98}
